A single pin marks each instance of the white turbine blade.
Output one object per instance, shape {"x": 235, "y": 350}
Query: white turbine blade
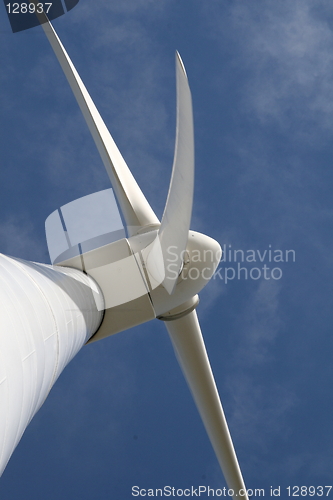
{"x": 191, "y": 353}
{"x": 135, "y": 208}
{"x": 176, "y": 219}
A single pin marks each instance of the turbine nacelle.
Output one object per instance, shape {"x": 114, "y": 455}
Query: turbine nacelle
{"x": 132, "y": 274}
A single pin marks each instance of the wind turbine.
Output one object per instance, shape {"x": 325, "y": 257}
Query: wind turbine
{"x": 106, "y": 278}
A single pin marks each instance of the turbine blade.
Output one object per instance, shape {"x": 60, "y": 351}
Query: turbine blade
{"x": 135, "y": 208}
{"x": 191, "y": 353}
{"x": 176, "y": 218}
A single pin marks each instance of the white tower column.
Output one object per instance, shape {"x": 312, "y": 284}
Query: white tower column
{"x": 46, "y": 315}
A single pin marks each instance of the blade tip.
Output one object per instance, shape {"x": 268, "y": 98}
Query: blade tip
{"x": 180, "y": 62}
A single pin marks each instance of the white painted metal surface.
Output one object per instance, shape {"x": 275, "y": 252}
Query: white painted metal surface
{"x": 46, "y": 315}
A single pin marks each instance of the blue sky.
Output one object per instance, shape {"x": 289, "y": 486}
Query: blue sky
{"x": 261, "y": 75}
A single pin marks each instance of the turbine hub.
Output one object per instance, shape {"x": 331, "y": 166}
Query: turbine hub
{"x": 200, "y": 260}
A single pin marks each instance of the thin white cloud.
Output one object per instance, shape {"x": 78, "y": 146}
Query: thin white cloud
{"x": 285, "y": 50}
{"x": 259, "y": 323}
{"x": 256, "y": 331}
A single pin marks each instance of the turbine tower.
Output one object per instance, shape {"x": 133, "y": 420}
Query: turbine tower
{"x": 106, "y": 277}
